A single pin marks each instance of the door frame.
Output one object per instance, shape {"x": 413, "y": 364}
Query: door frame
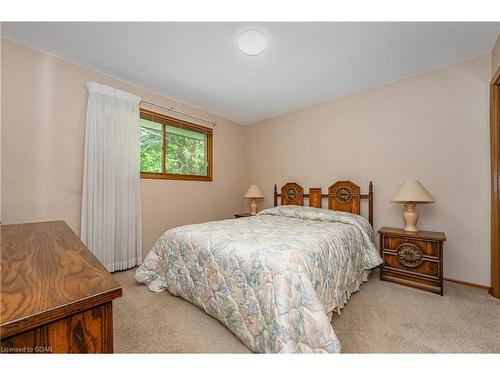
{"x": 495, "y": 183}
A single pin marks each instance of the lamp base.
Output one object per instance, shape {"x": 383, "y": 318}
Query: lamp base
{"x": 410, "y": 217}
{"x": 253, "y": 207}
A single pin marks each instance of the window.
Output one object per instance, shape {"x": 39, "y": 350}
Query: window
{"x": 174, "y": 149}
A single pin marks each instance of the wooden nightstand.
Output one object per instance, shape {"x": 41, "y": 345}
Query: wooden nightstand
{"x": 412, "y": 258}
{"x": 243, "y": 214}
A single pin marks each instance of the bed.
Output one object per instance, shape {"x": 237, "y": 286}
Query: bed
{"x": 273, "y": 279}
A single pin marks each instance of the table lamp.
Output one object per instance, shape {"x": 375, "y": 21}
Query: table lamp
{"x": 253, "y": 192}
{"x": 410, "y": 193}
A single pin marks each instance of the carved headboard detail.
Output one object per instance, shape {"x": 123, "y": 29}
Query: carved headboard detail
{"x": 292, "y": 193}
{"x": 342, "y": 196}
{"x": 315, "y": 197}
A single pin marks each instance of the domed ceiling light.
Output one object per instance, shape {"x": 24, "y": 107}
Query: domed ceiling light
{"x": 252, "y": 42}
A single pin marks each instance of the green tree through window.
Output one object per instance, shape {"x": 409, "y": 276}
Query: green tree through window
{"x": 187, "y": 148}
{"x": 185, "y": 152}
{"x": 151, "y": 146}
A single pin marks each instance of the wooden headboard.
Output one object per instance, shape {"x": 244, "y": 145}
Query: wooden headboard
{"x": 342, "y": 196}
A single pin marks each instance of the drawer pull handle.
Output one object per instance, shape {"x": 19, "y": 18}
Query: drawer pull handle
{"x": 409, "y": 255}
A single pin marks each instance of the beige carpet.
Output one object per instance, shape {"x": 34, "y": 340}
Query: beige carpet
{"x": 381, "y": 318}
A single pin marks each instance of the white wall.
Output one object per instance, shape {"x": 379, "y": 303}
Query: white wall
{"x": 495, "y": 57}
{"x": 44, "y": 101}
{"x": 432, "y": 127}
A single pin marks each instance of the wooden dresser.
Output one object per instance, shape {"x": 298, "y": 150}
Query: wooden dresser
{"x": 412, "y": 258}
{"x": 55, "y": 295}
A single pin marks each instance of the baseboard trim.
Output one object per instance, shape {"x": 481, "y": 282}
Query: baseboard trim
{"x": 467, "y": 283}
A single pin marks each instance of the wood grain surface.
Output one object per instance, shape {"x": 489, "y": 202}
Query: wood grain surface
{"x": 348, "y": 201}
{"x": 426, "y": 271}
{"x": 47, "y": 273}
{"x": 495, "y": 183}
{"x": 90, "y": 331}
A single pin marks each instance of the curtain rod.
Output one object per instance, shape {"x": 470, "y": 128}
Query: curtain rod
{"x": 172, "y": 109}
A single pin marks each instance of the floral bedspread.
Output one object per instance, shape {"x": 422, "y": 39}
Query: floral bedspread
{"x": 272, "y": 279}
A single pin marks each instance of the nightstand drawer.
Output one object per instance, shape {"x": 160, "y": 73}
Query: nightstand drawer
{"x": 428, "y": 248}
{"x": 412, "y": 258}
{"x": 411, "y": 264}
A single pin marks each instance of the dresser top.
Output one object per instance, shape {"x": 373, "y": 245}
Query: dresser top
{"x": 48, "y": 273}
{"x": 422, "y": 234}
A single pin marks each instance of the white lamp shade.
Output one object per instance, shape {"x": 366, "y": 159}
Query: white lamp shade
{"x": 253, "y": 192}
{"x": 412, "y": 191}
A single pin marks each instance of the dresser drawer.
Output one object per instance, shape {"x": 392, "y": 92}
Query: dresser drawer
{"x": 423, "y": 267}
{"x": 428, "y": 248}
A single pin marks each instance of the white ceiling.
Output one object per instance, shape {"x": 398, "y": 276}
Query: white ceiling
{"x": 304, "y": 63}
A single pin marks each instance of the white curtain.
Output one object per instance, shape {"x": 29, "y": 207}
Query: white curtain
{"x": 111, "y": 204}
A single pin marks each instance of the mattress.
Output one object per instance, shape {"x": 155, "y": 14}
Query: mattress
{"x": 273, "y": 279}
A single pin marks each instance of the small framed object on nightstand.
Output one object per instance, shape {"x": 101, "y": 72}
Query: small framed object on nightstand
{"x": 243, "y": 214}
{"x": 412, "y": 258}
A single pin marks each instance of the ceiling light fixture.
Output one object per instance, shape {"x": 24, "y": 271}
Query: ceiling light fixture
{"x": 252, "y": 42}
